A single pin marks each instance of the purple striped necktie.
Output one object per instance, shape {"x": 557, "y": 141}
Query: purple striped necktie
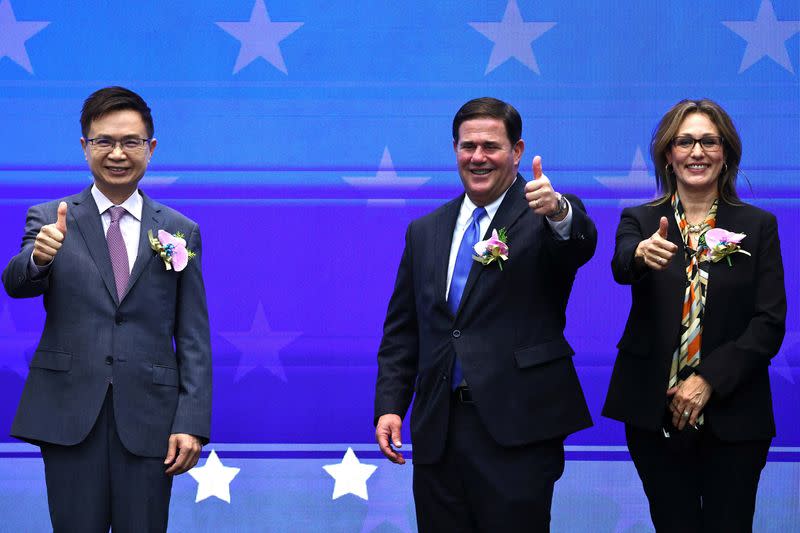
{"x": 117, "y": 251}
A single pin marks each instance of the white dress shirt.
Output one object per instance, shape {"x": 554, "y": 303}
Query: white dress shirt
{"x": 130, "y": 224}
{"x": 561, "y": 228}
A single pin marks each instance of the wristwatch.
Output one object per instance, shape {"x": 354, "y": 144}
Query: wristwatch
{"x": 562, "y": 207}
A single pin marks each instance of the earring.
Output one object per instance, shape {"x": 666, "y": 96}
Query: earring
{"x": 666, "y": 170}
{"x": 726, "y": 167}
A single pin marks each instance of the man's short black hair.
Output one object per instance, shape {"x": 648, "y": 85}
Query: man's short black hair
{"x": 108, "y": 99}
{"x": 492, "y": 108}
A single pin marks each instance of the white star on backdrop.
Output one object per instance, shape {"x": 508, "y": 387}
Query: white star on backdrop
{"x": 512, "y": 38}
{"x": 766, "y": 37}
{"x": 158, "y": 181}
{"x": 351, "y": 476}
{"x": 385, "y": 177}
{"x": 260, "y": 37}
{"x": 637, "y": 180}
{"x": 14, "y": 344}
{"x": 260, "y": 346}
{"x": 213, "y": 479}
{"x": 14, "y": 33}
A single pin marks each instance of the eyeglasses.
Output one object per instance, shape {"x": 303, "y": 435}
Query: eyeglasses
{"x": 129, "y": 144}
{"x": 711, "y": 143}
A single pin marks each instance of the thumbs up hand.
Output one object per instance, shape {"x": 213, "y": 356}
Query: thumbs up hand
{"x": 50, "y": 238}
{"x": 656, "y": 252}
{"x": 539, "y": 192}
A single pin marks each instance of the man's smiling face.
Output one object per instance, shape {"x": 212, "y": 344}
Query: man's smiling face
{"x": 487, "y": 161}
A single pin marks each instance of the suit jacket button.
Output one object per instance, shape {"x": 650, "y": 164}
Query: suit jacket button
{"x": 118, "y": 319}
{"x": 109, "y": 360}
{"x": 456, "y": 333}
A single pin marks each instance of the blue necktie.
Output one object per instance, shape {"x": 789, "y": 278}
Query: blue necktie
{"x": 460, "y": 273}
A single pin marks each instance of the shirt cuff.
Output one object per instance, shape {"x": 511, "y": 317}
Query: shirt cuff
{"x": 36, "y": 271}
{"x": 562, "y": 228}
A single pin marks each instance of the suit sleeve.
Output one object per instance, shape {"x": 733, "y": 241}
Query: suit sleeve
{"x": 734, "y": 361}
{"x": 629, "y": 235}
{"x": 575, "y": 251}
{"x": 17, "y": 278}
{"x": 193, "y": 348}
{"x": 399, "y": 350}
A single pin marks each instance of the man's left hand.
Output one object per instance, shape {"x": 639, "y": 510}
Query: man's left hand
{"x": 182, "y": 454}
{"x": 689, "y": 398}
{"x": 539, "y": 191}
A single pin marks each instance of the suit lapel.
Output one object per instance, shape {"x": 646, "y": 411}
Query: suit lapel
{"x": 512, "y": 207}
{"x": 442, "y": 242}
{"x": 150, "y": 222}
{"x": 718, "y": 272}
{"x": 87, "y": 218}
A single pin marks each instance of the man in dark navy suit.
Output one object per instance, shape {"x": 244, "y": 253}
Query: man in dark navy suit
{"x": 480, "y": 343}
{"x": 118, "y": 395}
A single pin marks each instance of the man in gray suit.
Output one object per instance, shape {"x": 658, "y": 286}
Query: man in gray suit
{"x": 118, "y": 395}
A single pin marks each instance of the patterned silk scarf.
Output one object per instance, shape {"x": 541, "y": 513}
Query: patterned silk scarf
{"x": 687, "y": 354}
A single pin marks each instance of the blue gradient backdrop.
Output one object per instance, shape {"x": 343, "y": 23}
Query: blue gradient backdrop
{"x": 303, "y": 182}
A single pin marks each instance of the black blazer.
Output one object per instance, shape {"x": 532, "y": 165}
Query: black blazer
{"x": 508, "y": 331}
{"x": 743, "y": 325}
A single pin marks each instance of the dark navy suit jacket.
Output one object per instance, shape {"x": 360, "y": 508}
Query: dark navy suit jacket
{"x": 153, "y": 345}
{"x": 507, "y": 333}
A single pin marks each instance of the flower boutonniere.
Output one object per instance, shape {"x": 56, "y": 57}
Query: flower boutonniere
{"x": 495, "y": 248}
{"x": 171, "y": 248}
{"x": 722, "y": 244}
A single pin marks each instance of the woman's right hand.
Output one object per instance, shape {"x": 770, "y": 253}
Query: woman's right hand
{"x": 656, "y": 252}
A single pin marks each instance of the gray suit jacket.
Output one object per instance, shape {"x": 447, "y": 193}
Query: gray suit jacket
{"x": 154, "y": 345}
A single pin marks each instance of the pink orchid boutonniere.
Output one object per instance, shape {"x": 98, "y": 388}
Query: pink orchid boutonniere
{"x": 495, "y": 248}
{"x": 722, "y": 244}
{"x": 171, "y": 248}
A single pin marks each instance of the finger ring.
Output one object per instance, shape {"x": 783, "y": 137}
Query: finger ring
{"x": 685, "y": 414}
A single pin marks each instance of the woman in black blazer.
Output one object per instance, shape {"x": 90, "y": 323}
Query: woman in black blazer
{"x": 707, "y": 314}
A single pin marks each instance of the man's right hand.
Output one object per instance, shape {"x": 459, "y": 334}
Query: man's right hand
{"x": 387, "y": 433}
{"x": 50, "y": 238}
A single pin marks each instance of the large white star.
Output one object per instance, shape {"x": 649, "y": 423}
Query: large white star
{"x": 260, "y": 37}
{"x": 351, "y": 476}
{"x": 637, "y": 181}
{"x": 14, "y": 344}
{"x": 765, "y": 36}
{"x": 512, "y": 38}
{"x": 213, "y": 479}
{"x": 260, "y": 346}
{"x": 386, "y": 176}
{"x": 14, "y": 33}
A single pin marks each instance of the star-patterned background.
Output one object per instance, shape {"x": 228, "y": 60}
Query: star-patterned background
{"x": 304, "y": 136}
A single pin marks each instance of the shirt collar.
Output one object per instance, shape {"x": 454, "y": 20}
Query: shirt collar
{"x": 132, "y": 205}
{"x": 467, "y": 206}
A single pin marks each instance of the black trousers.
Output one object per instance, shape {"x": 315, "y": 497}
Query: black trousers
{"x": 99, "y": 484}
{"x": 482, "y": 486}
{"x": 708, "y": 485}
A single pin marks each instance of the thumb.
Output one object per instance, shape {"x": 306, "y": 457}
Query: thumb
{"x": 396, "y": 436}
{"x": 61, "y": 222}
{"x": 173, "y": 445}
{"x": 662, "y": 227}
{"x": 537, "y": 167}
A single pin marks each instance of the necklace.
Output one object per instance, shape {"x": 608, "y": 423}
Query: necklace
{"x": 695, "y": 228}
